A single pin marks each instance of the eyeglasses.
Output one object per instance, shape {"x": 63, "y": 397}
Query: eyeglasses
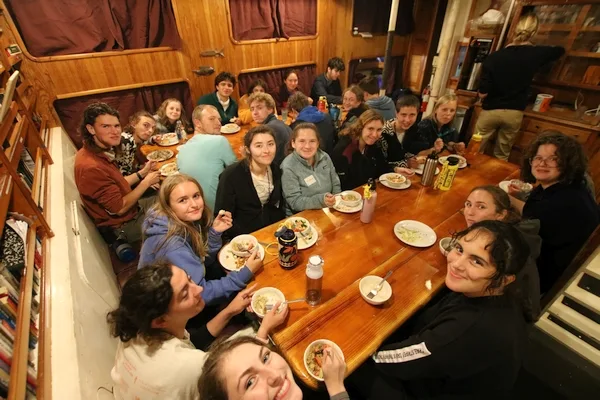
{"x": 551, "y": 161}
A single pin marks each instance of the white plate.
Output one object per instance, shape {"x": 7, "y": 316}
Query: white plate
{"x": 385, "y": 183}
{"x": 164, "y": 168}
{"x": 419, "y": 170}
{"x": 461, "y": 164}
{"x": 227, "y": 258}
{"x": 230, "y": 128}
{"x": 427, "y": 236}
{"x": 504, "y": 185}
{"x": 272, "y": 293}
{"x": 168, "y": 154}
{"x": 345, "y": 209}
{"x": 319, "y": 341}
{"x": 308, "y": 242}
{"x": 172, "y": 139}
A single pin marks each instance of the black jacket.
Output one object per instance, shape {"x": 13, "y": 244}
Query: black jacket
{"x": 323, "y": 123}
{"x": 460, "y": 347}
{"x": 236, "y": 193}
{"x": 352, "y": 116}
{"x": 355, "y": 168}
{"x": 568, "y": 215}
{"x": 426, "y": 134}
{"x": 324, "y": 87}
{"x": 392, "y": 149}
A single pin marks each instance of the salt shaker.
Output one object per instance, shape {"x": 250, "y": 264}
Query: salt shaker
{"x": 429, "y": 169}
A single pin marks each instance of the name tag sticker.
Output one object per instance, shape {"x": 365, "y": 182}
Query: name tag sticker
{"x": 310, "y": 180}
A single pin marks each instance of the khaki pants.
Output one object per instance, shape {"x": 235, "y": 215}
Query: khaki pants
{"x": 133, "y": 228}
{"x": 504, "y": 123}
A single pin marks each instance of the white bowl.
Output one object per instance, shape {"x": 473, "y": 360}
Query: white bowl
{"x": 401, "y": 180}
{"x": 293, "y": 221}
{"x": 350, "y": 202}
{"x": 236, "y": 241}
{"x": 273, "y": 296}
{"x": 316, "y": 342}
{"x": 368, "y": 283}
{"x": 445, "y": 245}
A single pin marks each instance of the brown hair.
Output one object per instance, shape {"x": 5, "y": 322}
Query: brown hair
{"x": 260, "y": 129}
{"x": 298, "y": 101}
{"x": 408, "y": 100}
{"x": 197, "y": 232}
{"x": 369, "y": 84}
{"x": 262, "y": 97}
{"x": 258, "y": 82}
{"x": 164, "y": 120}
{"x": 91, "y": 112}
{"x": 212, "y": 385}
{"x": 297, "y": 129}
{"x": 360, "y": 94}
{"x": 572, "y": 161}
{"x": 356, "y": 128}
{"x": 288, "y": 72}
{"x": 501, "y": 202}
{"x": 135, "y": 119}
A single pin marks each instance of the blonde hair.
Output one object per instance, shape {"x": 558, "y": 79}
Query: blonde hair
{"x": 262, "y": 97}
{"x": 197, "y": 232}
{"x": 526, "y": 28}
{"x": 445, "y": 99}
{"x": 197, "y": 113}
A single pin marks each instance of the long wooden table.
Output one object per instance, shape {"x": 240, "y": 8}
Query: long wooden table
{"x": 352, "y": 250}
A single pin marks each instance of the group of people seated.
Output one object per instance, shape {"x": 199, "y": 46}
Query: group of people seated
{"x": 467, "y": 342}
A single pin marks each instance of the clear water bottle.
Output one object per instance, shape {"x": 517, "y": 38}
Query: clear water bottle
{"x": 314, "y": 280}
{"x": 179, "y": 130}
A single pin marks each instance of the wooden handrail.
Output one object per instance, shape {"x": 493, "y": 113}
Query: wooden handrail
{"x": 18, "y": 369}
{"x": 119, "y": 88}
{"x": 280, "y": 66}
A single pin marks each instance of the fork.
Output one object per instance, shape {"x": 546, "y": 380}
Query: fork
{"x": 377, "y": 288}
{"x": 269, "y": 307}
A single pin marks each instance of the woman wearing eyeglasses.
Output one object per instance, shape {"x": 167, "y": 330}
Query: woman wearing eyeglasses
{"x": 567, "y": 212}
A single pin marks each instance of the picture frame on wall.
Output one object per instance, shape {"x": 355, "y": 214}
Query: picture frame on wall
{"x": 13, "y": 50}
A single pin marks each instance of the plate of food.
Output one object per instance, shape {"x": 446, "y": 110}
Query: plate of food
{"x": 415, "y": 233}
{"x": 243, "y": 245}
{"x": 394, "y": 181}
{"x": 228, "y": 129}
{"x": 306, "y": 235}
{"x": 232, "y": 262}
{"x": 314, "y": 354}
{"x": 419, "y": 169}
{"x": 166, "y": 139}
{"x": 160, "y": 155}
{"x": 263, "y": 297}
{"x": 518, "y": 184}
{"x": 169, "y": 169}
{"x": 342, "y": 207}
{"x": 462, "y": 162}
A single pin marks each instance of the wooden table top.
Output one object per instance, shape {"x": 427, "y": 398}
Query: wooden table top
{"x": 352, "y": 250}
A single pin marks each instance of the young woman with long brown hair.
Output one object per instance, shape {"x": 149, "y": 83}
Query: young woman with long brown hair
{"x": 170, "y": 111}
{"x": 180, "y": 229}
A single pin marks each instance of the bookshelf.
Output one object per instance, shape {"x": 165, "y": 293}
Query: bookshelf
{"x": 24, "y": 165}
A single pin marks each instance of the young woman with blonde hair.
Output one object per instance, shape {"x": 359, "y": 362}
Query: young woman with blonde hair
{"x": 436, "y": 131}
{"x": 180, "y": 229}
{"x": 170, "y": 111}
{"x": 506, "y": 76}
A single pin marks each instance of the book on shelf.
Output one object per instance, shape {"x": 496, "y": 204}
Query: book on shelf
{"x": 28, "y": 161}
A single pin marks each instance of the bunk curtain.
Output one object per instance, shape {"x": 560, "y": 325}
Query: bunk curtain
{"x": 127, "y": 102}
{"x": 59, "y": 27}
{"x": 274, "y": 79}
{"x": 374, "y": 17}
{"x": 269, "y": 19}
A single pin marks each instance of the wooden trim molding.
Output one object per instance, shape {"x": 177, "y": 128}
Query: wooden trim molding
{"x": 280, "y": 66}
{"x": 271, "y": 40}
{"x": 29, "y": 56}
{"x": 119, "y": 88}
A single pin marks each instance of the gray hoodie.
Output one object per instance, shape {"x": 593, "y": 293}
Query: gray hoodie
{"x": 383, "y": 105}
{"x": 304, "y": 187}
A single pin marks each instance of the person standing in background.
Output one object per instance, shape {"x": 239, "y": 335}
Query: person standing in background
{"x": 382, "y": 104}
{"x": 328, "y": 84}
{"x": 206, "y": 154}
{"x": 505, "y": 79}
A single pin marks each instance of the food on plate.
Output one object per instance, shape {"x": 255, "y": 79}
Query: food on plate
{"x": 297, "y": 224}
{"x": 314, "y": 359}
{"x": 166, "y": 139}
{"x": 230, "y": 128}
{"x": 169, "y": 169}
{"x": 160, "y": 155}
{"x": 243, "y": 245}
{"x": 350, "y": 197}
{"x": 396, "y": 178}
{"x": 409, "y": 235}
{"x": 260, "y": 304}
{"x": 520, "y": 186}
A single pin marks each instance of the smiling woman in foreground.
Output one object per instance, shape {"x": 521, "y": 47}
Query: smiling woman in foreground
{"x": 467, "y": 345}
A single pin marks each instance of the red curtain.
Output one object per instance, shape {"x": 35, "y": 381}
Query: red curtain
{"x": 127, "y": 102}
{"x": 54, "y": 27}
{"x": 268, "y": 19}
{"x": 373, "y": 17}
{"x": 274, "y": 79}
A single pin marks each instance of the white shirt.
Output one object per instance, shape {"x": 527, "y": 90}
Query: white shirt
{"x": 263, "y": 185}
{"x": 225, "y": 104}
{"x": 400, "y": 136}
{"x": 171, "y": 371}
